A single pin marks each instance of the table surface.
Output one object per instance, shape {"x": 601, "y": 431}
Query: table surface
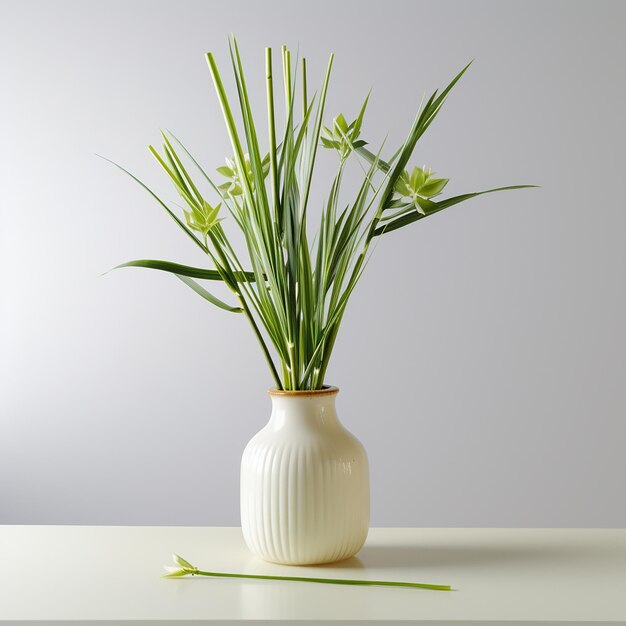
{"x": 113, "y": 574}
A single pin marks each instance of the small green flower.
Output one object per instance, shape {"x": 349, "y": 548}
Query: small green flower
{"x": 419, "y": 184}
{"x": 344, "y": 137}
{"x": 202, "y": 218}
{"x": 181, "y": 568}
{"x": 234, "y": 187}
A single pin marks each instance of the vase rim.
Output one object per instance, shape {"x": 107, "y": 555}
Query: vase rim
{"x": 326, "y": 390}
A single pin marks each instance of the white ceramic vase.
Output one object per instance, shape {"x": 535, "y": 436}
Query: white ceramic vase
{"x": 304, "y": 483}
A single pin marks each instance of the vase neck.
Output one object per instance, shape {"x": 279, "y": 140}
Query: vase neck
{"x": 303, "y": 411}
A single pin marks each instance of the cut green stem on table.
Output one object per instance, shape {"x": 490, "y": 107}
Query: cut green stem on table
{"x": 184, "y": 568}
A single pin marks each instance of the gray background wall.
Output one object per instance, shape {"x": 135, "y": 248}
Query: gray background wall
{"x": 482, "y": 359}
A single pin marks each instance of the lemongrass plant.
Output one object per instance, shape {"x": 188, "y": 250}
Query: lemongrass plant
{"x": 293, "y": 292}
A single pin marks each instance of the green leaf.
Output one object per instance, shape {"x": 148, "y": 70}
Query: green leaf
{"x": 370, "y": 157}
{"x": 176, "y": 574}
{"x": 433, "y": 187}
{"x": 356, "y": 125}
{"x": 225, "y": 171}
{"x": 417, "y": 178}
{"x": 182, "y": 562}
{"x": 434, "y": 207}
{"x": 426, "y": 206}
{"x": 184, "y": 270}
{"x": 396, "y": 203}
{"x": 340, "y": 122}
{"x": 402, "y": 188}
{"x": 200, "y": 290}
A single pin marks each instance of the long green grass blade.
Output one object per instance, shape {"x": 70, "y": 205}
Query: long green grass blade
{"x": 371, "y": 157}
{"x": 432, "y": 207}
{"x": 183, "y": 270}
{"x": 201, "y": 291}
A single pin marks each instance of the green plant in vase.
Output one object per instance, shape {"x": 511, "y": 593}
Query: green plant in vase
{"x": 292, "y": 288}
{"x": 294, "y": 292}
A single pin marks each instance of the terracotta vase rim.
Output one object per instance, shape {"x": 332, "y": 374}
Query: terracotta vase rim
{"x": 326, "y": 390}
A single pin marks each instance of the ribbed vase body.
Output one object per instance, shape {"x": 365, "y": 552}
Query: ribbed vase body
{"x": 304, "y": 483}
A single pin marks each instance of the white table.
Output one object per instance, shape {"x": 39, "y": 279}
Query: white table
{"x": 113, "y": 575}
